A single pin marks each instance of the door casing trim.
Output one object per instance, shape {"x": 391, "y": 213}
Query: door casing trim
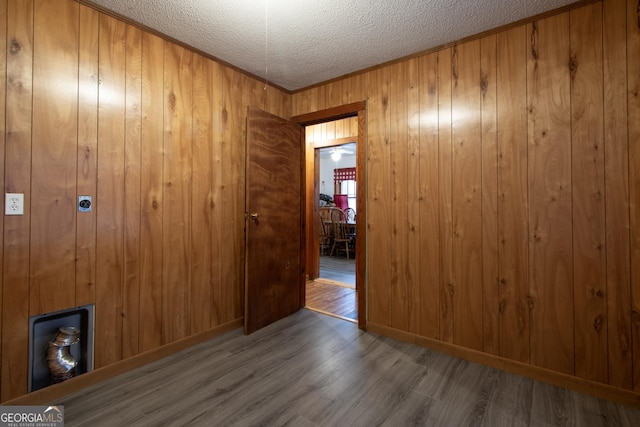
{"x": 358, "y": 109}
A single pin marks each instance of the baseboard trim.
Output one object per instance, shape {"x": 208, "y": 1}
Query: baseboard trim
{"x": 56, "y": 391}
{"x": 593, "y": 388}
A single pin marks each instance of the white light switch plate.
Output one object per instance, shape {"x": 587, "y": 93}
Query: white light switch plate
{"x": 14, "y": 204}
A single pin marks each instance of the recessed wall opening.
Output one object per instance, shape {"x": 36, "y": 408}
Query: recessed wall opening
{"x": 60, "y": 328}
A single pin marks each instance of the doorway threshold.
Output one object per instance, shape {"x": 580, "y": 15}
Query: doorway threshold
{"x": 317, "y": 310}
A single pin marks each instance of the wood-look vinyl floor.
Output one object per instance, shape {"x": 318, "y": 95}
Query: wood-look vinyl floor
{"x": 338, "y": 269}
{"x": 315, "y": 370}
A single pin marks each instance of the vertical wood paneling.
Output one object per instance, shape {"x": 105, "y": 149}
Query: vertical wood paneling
{"x": 217, "y": 183}
{"x": 152, "y": 252}
{"x": 257, "y": 94}
{"x": 351, "y": 126}
{"x": 278, "y": 103}
{"x": 322, "y": 97}
{"x": 232, "y": 199}
{"x": 550, "y": 255}
{"x": 617, "y": 169}
{"x": 488, "y": 111}
{"x": 132, "y": 194}
{"x": 633, "y": 73}
{"x": 357, "y": 88}
{"x": 17, "y": 155}
{"x": 113, "y": 148}
{"x": 398, "y": 197}
{"x": 340, "y": 125}
{"x": 239, "y": 149}
{"x": 176, "y": 261}
{"x": 333, "y": 94}
{"x": 310, "y": 133}
{"x": 87, "y": 153}
{"x": 428, "y": 182}
{"x": 202, "y": 196}
{"x": 378, "y": 213}
{"x": 513, "y": 194}
{"x": 110, "y": 199}
{"x": 320, "y": 132}
{"x": 414, "y": 301}
{"x": 557, "y": 198}
{"x": 589, "y": 242}
{"x": 237, "y": 159}
{"x": 3, "y": 110}
{"x": 54, "y": 161}
{"x": 467, "y": 195}
{"x": 445, "y": 214}
{"x": 330, "y": 130}
{"x": 274, "y": 103}
{"x": 311, "y": 100}
{"x": 254, "y": 93}
{"x": 301, "y": 102}
{"x": 151, "y": 193}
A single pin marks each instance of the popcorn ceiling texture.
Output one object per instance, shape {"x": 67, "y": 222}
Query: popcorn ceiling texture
{"x": 308, "y": 42}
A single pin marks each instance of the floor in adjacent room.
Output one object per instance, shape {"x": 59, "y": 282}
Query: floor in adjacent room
{"x": 334, "y": 292}
{"x": 338, "y": 270}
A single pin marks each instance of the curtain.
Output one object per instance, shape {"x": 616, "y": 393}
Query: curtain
{"x": 343, "y": 174}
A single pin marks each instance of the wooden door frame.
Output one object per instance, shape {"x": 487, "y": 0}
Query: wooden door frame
{"x": 312, "y": 199}
{"x": 358, "y": 109}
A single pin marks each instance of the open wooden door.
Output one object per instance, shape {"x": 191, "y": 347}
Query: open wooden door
{"x": 274, "y": 267}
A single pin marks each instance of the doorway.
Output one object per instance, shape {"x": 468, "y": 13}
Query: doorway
{"x": 333, "y": 138}
{"x": 332, "y": 290}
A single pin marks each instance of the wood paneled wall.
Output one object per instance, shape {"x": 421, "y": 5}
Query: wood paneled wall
{"x": 503, "y": 195}
{"x": 324, "y": 134}
{"x": 155, "y": 134}
{"x": 503, "y": 187}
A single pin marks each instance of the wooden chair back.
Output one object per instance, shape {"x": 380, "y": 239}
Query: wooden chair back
{"x": 351, "y": 214}
{"x": 340, "y": 231}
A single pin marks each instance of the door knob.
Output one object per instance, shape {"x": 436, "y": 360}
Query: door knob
{"x": 253, "y": 216}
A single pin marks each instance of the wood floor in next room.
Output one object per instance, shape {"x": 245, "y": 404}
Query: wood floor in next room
{"x": 334, "y": 292}
{"x": 338, "y": 270}
{"x": 315, "y": 370}
{"x": 334, "y": 299}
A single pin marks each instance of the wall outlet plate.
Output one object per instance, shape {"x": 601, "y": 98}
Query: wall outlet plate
{"x": 14, "y": 204}
{"x": 84, "y": 203}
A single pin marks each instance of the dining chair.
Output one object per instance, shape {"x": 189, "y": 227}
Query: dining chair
{"x": 340, "y": 231}
{"x": 351, "y": 214}
{"x": 325, "y": 235}
{"x": 325, "y": 214}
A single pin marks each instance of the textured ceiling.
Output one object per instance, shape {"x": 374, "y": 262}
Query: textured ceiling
{"x": 295, "y": 44}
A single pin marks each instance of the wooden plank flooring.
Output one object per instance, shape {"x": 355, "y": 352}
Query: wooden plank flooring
{"x": 331, "y": 298}
{"x": 338, "y": 269}
{"x": 315, "y": 370}
{"x": 333, "y": 293}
